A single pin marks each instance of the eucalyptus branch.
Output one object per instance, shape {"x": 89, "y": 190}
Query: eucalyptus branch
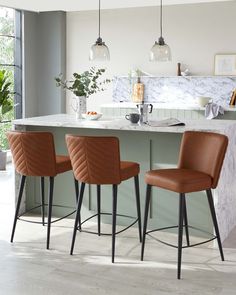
{"x": 84, "y": 84}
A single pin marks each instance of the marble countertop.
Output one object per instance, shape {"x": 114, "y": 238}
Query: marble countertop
{"x": 64, "y": 120}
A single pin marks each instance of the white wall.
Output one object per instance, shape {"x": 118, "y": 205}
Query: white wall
{"x": 195, "y": 33}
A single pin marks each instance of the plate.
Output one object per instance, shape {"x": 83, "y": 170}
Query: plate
{"x": 91, "y": 117}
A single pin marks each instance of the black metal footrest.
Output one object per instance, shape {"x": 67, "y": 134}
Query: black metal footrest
{"x": 176, "y": 226}
{"x": 40, "y": 222}
{"x": 107, "y": 234}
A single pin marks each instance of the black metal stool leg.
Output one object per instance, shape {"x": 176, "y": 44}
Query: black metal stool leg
{"x": 99, "y": 208}
{"x": 43, "y": 200}
{"x": 214, "y": 219}
{"x": 50, "y": 201}
{"x": 77, "y": 217}
{"x": 148, "y": 196}
{"x": 180, "y": 232}
{"x": 186, "y": 221}
{"x": 114, "y": 208}
{"x": 80, "y": 201}
{"x": 76, "y": 189}
{"x": 137, "y": 193}
{"x": 22, "y": 184}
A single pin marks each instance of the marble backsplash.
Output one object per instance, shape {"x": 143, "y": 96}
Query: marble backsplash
{"x": 176, "y": 90}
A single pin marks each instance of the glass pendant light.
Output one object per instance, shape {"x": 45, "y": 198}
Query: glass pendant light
{"x": 99, "y": 51}
{"x": 160, "y": 51}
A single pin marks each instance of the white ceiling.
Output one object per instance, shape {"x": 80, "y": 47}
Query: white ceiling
{"x": 77, "y": 5}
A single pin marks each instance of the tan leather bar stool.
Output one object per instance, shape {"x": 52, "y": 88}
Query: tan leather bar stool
{"x": 200, "y": 161}
{"x": 96, "y": 160}
{"x": 34, "y": 155}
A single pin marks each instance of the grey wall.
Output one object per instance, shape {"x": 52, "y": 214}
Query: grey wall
{"x": 195, "y": 33}
{"x": 45, "y": 57}
{"x": 30, "y": 64}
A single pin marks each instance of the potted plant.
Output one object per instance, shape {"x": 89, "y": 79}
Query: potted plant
{"x": 6, "y": 105}
{"x": 82, "y": 86}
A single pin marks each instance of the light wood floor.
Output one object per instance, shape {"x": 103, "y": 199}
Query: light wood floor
{"x": 26, "y": 268}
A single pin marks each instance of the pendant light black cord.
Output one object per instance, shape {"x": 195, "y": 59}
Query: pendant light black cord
{"x": 99, "y": 39}
{"x": 160, "y": 17}
{"x": 99, "y": 33}
{"x": 161, "y": 39}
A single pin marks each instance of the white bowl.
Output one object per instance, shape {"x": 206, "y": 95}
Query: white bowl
{"x": 91, "y": 117}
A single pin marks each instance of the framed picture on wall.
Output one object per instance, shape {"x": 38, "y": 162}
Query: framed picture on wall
{"x": 225, "y": 64}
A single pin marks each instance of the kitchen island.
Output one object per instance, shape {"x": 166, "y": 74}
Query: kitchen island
{"x": 153, "y": 148}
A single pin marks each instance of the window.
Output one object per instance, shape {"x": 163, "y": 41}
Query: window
{"x": 11, "y": 61}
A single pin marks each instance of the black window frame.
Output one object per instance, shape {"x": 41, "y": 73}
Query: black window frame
{"x": 18, "y": 65}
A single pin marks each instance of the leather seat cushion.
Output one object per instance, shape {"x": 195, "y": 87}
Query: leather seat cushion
{"x": 63, "y": 164}
{"x": 128, "y": 169}
{"x": 179, "y": 180}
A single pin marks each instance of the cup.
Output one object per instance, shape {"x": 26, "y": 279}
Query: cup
{"x": 133, "y": 117}
{"x": 203, "y": 100}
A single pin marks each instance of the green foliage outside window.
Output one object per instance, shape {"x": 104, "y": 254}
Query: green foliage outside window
{"x": 6, "y": 103}
{"x": 7, "y": 41}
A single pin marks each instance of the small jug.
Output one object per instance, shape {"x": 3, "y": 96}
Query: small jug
{"x": 144, "y": 111}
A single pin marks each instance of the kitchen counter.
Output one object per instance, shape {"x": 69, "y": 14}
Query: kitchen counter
{"x": 153, "y": 148}
{"x": 64, "y": 120}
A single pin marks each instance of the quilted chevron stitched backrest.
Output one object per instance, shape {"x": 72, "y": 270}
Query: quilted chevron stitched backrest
{"x": 33, "y": 153}
{"x": 95, "y": 160}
